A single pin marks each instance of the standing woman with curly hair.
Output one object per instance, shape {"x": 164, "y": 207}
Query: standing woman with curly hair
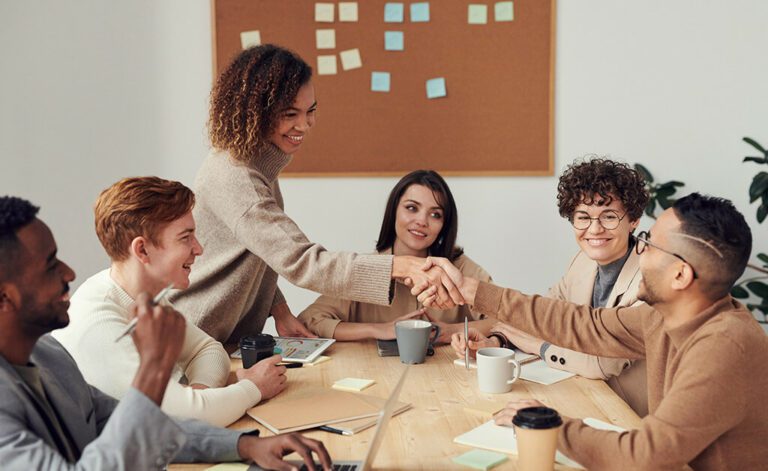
{"x": 603, "y": 200}
{"x": 262, "y": 108}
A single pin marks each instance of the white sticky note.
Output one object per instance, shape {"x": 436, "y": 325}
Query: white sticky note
{"x": 436, "y": 88}
{"x": 419, "y": 12}
{"x": 393, "y": 13}
{"x": 350, "y": 59}
{"x": 394, "y": 41}
{"x": 504, "y": 11}
{"x": 477, "y": 14}
{"x": 380, "y": 81}
{"x": 352, "y": 384}
{"x": 324, "y": 12}
{"x": 250, "y": 38}
{"x": 326, "y": 65}
{"x": 348, "y": 11}
{"x": 325, "y": 38}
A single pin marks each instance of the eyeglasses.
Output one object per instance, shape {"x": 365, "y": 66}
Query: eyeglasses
{"x": 643, "y": 243}
{"x": 608, "y": 219}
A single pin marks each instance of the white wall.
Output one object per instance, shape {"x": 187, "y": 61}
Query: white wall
{"x": 91, "y": 91}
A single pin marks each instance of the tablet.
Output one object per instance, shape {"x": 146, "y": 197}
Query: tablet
{"x": 297, "y": 349}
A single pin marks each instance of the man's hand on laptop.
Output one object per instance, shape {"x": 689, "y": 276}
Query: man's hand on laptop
{"x": 268, "y": 452}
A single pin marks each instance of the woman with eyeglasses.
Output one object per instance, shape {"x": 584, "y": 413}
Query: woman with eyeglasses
{"x": 603, "y": 200}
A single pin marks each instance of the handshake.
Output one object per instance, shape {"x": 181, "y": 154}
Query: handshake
{"x": 436, "y": 282}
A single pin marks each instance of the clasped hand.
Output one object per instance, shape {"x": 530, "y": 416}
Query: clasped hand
{"x": 440, "y": 286}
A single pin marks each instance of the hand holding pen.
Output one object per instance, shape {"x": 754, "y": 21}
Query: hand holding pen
{"x": 157, "y": 299}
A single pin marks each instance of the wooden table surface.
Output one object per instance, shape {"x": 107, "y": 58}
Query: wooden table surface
{"x": 422, "y": 437}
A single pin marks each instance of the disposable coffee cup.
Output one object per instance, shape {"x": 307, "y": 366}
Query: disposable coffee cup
{"x": 255, "y": 348}
{"x": 413, "y": 339}
{"x": 497, "y": 370}
{"x": 536, "y": 429}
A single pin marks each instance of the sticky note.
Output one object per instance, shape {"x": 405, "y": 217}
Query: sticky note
{"x": 504, "y": 11}
{"x": 350, "y": 59}
{"x": 393, "y": 13}
{"x": 324, "y": 12}
{"x": 229, "y": 467}
{"x": 394, "y": 41}
{"x": 250, "y": 38}
{"x": 326, "y": 65}
{"x": 318, "y": 360}
{"x": 325, "y": 38}
{"x": 348, "y": 11}
{"x": 420, "y": 12}
{"x": 436, "y": 88}
{"x": 380, "y": 81}
{"x": 477, "y": 14}
{"x": 352, "y": 384}
{"x": 480, "y": 459}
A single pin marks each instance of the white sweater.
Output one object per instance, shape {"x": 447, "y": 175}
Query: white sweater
{"x": 100, "y": 312}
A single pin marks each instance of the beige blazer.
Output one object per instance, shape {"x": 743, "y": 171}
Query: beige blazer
{"x": 322, "y": 316}
{"x": 627, "y": 378}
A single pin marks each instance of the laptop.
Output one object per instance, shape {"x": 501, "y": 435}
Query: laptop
{"x": 378, "y": 436}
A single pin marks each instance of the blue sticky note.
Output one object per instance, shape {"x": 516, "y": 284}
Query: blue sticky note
{"x": 380, "y": 81}
{"x": 420, "y": 12}
{"x": 393, "y": 13}
{"x": 436, "y": 88}
{"x": 394, "y": 41}
{"x": 504, "y": 11}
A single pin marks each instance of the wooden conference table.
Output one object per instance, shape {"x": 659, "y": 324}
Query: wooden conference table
{"x": 422, "y": 437}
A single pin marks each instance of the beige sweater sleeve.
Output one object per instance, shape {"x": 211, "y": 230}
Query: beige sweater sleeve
{"x": 327, "y": 312}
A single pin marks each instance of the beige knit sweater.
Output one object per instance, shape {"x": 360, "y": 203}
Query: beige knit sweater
{"x": 707, "y": 380}
{"x": 249, "y": 241}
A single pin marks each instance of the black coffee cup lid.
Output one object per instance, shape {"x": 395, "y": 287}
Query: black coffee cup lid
{"x": 257, "y": 341}
{"x": 537, "y": 418}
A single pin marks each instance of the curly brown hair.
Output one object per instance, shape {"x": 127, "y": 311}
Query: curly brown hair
{"x": 597, "y": 181}
{"x": 249, "y": 96}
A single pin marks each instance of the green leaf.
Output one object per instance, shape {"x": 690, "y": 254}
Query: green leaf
{"x": 739, "y": 292}
{"x": 760, "y": 307}
{"x": 758, "y": 187}
{"x": 759, "y": 288}
{"x": 677, "y": 183}
{"x": 665, "y": 192}
{"x": 762, "y": 257}
{"x": 754, "y": 144}
{"x": 650, "y": 208}
{"x": 644, "y": 173}
{"x": 759, "y": 160}
{"x": 762, "y": 211}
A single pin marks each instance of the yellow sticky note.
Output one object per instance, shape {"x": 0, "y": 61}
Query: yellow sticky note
{"x": 250, "y": 38}
{"x": 352, "y": 384}
{"x": 326, "y": 65}
{"x": 348, "y": 11}
{"x": 318, "y": 360}
{"x": 477, "y": 14}
{"x": 326, "y": 38}
{"x": 324, "y": 12}
{"x": 229, "y": 467}
{"x": 351, "y": 59}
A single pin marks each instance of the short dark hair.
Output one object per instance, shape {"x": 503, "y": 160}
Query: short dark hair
{"x": 15, "y": 213}
{"x": 585, "y": 179}
{"x": 718, "y": 222}
{"x": 445, "y": 244}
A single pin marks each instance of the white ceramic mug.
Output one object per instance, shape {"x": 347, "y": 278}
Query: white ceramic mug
{"x": 497, "y": 369}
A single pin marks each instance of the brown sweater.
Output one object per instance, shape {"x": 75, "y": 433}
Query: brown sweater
{"x": 707, "y": 380}
{"x": 249, "y": 241}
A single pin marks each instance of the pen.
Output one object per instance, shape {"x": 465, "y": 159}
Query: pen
{"x": 291, "y": 365}
{"x": 466, "y": 339}
{"x": 326, "y": 428}
{"x": 132, "y": 325}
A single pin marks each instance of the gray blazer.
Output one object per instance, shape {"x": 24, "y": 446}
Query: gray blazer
{"x": 132, "y": 435}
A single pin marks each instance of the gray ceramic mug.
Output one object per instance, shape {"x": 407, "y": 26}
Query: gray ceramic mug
{"x": 413, "y": 339}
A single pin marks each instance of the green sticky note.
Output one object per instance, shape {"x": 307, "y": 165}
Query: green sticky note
{"x": 504, "y": 11}
{"x": 393, "y": 13}
{"x": 436, "y": 88}
{"x": 480, "y": 459}
{"x": 420, "y": 12}
{"x": 380, "y": 81}
{"x": 394, "y": 41}
{"x": 477, "y": 14}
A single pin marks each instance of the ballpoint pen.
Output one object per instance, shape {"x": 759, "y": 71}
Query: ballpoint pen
{"x": 326, "y": 428}
{"x": 132, "y": 325}
{"x": 466, "y": 342}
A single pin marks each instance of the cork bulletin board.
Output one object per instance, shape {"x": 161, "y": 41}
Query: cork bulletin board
{"x": 495, "y": 116}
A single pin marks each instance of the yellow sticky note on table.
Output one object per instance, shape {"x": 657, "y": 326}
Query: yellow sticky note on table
{"x": 325, "y": 38}
{"x": 229, "y": 467}
{"x": 351, "y": 59}
{"x": 324, "y": 12}
{"x": 318, "y": 360}
{"x": 477, "y": 14}
{"x": 352, "y": 384}
{"x": 250, "y": 38}
{"x": 348, "y": 11}
{"x": 326, "y": 65}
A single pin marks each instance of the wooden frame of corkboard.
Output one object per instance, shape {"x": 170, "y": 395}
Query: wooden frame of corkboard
{"x": 497, "y": 118}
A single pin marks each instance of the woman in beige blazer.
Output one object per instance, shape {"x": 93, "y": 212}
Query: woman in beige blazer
{"x": 420, "y": 219}
{"x": 603, "y": 200}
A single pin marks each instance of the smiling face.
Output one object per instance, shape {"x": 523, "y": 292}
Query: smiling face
{"x": 170, "y": 261}
{"x": 600, "y": 244}
{"x": 418, "y": 221}
{"x": 295, "y": 122}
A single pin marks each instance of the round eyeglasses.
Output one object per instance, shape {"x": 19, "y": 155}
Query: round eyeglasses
{"x": 642, "y": 242}
{"x": 608, "y": 219}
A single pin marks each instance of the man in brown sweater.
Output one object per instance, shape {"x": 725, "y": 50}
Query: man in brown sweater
{"x": 707, "y": 357}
